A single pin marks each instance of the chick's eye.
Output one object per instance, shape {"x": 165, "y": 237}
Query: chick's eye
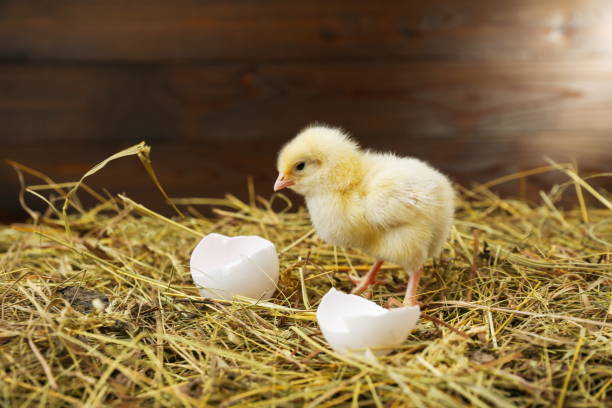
{"x": 300, "y": 166}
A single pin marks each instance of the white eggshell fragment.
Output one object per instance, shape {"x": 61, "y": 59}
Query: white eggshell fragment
{"x": 223, "y": 267}
{"x": 352, "y": 323}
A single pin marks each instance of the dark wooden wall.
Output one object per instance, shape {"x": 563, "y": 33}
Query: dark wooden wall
{"x": 478, "y": 88}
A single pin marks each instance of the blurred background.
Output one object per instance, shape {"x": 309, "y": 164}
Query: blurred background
{"x": 478, "y": 88}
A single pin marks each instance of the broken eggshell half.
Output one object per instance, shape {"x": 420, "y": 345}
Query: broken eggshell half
{"x": 352, "y": 323}
{"x": 223, "y": 267}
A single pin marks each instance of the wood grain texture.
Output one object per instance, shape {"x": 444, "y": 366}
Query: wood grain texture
{"x": 249, "y": 30}
{"x": 212, "y": 126}
{"x": 195, "y": 102}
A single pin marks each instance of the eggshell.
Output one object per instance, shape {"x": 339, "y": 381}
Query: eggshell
{"x": 245, "y": 265}
{"x": 352, "y": 323}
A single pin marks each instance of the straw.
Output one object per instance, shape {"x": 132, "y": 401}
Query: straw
{"x": 519, "y": 306}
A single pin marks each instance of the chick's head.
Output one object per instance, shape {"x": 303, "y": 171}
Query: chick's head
{"x": 318, "y": 159}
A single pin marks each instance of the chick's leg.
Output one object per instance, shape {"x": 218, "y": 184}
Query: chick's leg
{"x": 369, "y": 278}
{"x": 411, "y": 291}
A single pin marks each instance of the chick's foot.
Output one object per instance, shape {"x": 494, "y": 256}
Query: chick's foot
{"x": 357, "y": 280}
{"x": 369, "y": 279}
{"x": 394, "y": 302}
{"x": 411, "y": 291}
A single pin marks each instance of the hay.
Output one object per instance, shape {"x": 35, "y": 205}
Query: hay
{"x": 98, "y": 308}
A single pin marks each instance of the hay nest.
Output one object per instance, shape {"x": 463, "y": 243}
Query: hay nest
{"x": 98, "y": 308}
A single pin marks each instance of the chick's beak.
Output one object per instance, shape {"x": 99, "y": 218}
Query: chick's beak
{"x": 282, "y": 182}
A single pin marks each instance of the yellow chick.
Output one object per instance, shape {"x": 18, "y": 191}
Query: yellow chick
{"x": 395, "y": 209}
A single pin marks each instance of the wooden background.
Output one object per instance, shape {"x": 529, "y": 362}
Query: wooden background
{"x": 478, "y": 88}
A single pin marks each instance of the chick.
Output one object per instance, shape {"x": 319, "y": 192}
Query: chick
{"x": 395, "y": 209}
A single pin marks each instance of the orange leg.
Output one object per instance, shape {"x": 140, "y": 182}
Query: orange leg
{"x": 411, "y": 291}
{"x": 369, "y": 278}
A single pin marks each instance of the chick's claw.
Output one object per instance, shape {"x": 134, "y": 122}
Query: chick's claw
{"x": 361, "y": 287}
{"x": 394, "y": 302}
{"x": 357, "y": 280}
{"x": 369, "y": 279}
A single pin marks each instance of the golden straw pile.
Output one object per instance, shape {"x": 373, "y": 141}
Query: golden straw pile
{"x": 97, "y": 307}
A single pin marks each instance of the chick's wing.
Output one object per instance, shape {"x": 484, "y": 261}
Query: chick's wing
{"x": 391, "y": 202}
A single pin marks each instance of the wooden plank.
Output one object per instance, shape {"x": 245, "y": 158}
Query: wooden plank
{"x": 249, "y": 30}
{"x": 212, "y": 168}
{"x": 195, "y": 102}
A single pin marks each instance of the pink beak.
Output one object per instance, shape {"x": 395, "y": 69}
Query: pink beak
{"x": 282, "y": 182}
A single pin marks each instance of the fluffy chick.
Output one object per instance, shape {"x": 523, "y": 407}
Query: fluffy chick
{"x": 395, "y": 209}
